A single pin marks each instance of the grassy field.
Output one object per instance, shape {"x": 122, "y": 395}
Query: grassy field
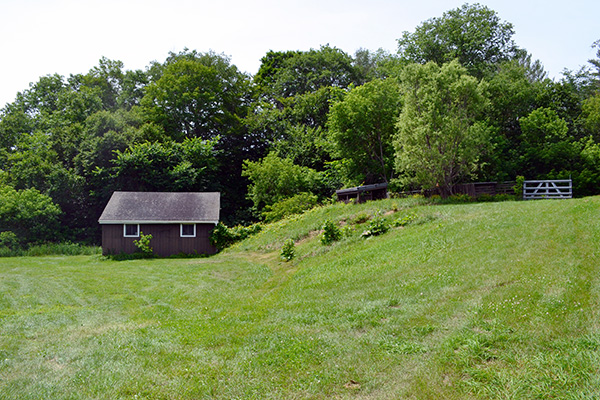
{"x": 474, "y": 301}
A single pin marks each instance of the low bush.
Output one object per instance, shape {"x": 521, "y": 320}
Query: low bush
{"x": 223, "y": 237}
{"x": 143, "y": 245}
{"x": 331, "y": 233}
{"x": 51, "y": 249}
{"x": 9, "y": 240}
{"x": 377, "y": 226}
{"x": 405, "y": 220}
{"x": 293, "y": 205}
{"x": 288, "y": 250}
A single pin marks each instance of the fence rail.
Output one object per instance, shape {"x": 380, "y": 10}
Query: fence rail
{"x": 548, "y": 189}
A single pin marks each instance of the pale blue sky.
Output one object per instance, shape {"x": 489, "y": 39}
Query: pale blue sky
{"x": 41, "y": 37}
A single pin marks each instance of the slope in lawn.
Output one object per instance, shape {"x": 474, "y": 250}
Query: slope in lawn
{"x": 492, "y": 300}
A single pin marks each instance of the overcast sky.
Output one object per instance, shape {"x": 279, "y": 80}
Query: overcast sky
{"x": 42, "y": 37}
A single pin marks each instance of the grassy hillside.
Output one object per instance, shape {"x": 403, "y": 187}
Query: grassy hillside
{"x": 490, "y": 300}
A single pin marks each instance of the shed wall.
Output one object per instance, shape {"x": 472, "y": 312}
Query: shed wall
{"x": 166, "y": 240}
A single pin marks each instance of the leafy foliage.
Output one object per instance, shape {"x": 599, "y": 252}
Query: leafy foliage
{"x": 223, "y": 237}
{"x": 293, "y": 205}
{"x": 288, "y": 250}
{"x": 143, "y": 244}
{"x": 30, "y": 215}
{"x": 331, "y": 233}
{"x": 440, "y": 135}
{"x": 274, "y": 179}
{"x": 362, "y": 126}
{"x": 172, "y": 166}
{"x": 472, "y": 34}
{"x": 9, "y": 240}
{"x": 377, "y": 226}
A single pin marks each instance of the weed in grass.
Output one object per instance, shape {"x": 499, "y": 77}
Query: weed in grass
{"x": 377, "y": 226}
{"x": 331, "y": 233}
{"x": 288, "y": 250}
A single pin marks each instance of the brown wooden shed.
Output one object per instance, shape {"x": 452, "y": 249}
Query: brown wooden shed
{"x": 178, "y": 222}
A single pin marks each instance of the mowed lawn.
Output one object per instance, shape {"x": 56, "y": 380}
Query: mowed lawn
{"x": 488, "y": 300}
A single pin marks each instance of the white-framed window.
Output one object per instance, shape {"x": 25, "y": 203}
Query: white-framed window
{"x": 187, "y": 230}
{"x": 131, "y": 230}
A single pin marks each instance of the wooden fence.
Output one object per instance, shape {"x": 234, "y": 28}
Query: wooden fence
{"x": 548, "y": 189}
{"x": 477, "y": 189}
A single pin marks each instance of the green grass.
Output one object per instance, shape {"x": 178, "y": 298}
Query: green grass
{"x": 474, "y": 301}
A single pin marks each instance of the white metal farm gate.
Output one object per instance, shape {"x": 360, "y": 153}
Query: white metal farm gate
{"x": 548, "y": 189}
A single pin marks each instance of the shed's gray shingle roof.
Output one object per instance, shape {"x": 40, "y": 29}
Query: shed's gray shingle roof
{"x": 161, "y": 207}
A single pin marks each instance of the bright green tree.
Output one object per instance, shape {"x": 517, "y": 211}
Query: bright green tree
{"x": 440, "y": 137}
{"x": 361, "y": 127}
{"x": 274, "y": 179}
{"x": 29, "y": 214}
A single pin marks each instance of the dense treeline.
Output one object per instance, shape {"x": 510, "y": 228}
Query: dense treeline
{"x": 459, "y": 101}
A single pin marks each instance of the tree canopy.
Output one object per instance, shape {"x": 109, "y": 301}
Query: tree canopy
{"x": 472, "y": 34}
{"x": 440, "y": 134}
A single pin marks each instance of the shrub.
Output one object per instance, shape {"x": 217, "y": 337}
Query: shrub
{"x": 485, "y": 197}
{"x": 347, "y": 231}
{"x": 9, "y": 240}
{"x": 288, "y": 250}
{"x": 29, "y": 214}
{"x": 143, "y": 244}
{"x": 405, "y": 220}
{"x": 518, "y": 188}
{"x": 331, "y": 233}
{"x": 460, "y": 198}
{"x": 377, "y": 226}
{"x": 505, "y": 197}
{"x": 223, "y": 237}
{"x": 293, "y": 205}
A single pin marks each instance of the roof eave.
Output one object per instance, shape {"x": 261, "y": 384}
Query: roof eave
{"x": 114, "y": 222}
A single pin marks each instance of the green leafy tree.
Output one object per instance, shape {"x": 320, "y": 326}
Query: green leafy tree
{"x": 440, "y": 137}
{"x": 197, "y": 95}
{"x": 362, "y": 126}
{"x": 473, "y": 34}
{"x": 203, "y": 95}
{"x": 287, "y": 74}
{"x": 29, "y": 214}
{"x": 274, "y": 179}
{"x": 296, "y": 204}
{"x": 378, "y": 64}
{"x": 591, "y": 116}
{"x": 545, "y": 143}
{"x": 171, "y": 166}
{"x": 513, "y": 95}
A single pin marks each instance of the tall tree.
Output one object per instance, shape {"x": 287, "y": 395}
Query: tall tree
{"x": 440, "y": 137}
{"x": 473, "y": 34}
{"x": 361, "y": 127}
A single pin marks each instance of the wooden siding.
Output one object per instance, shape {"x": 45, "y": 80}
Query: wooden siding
{"x": 166, "y": 240}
